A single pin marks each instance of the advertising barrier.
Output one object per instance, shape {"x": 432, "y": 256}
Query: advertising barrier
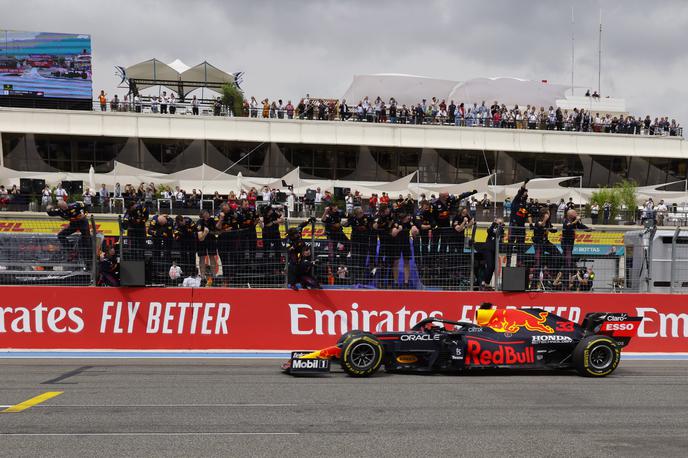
{"x": 181, "y": 319}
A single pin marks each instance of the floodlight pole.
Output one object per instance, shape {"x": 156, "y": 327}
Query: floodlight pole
{"x": 580, "y": 195}
{"x": 235, "y": 163}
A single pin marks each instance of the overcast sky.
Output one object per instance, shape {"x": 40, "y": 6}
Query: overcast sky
{"x": 288, "y": 48}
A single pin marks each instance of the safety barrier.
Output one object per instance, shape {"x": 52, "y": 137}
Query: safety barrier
{"x": 191, "y": 319}
{"x": 373, "y": 254}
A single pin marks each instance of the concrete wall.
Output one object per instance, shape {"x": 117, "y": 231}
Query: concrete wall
{"x": 334, "y": 132}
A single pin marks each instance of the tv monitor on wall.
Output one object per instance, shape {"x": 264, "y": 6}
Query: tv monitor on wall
{"x": 44, "y": 65}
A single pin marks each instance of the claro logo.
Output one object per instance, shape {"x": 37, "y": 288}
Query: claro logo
{"x": 657, "y": 324}
{"x": 305, "y": 319}
{"x": 40, "y": 319}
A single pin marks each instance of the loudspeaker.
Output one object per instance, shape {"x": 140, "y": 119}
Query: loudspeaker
{"x": 132, "y": 273}
{"x": 29, "y": 186}
{"x": 74, "y": 187}
{"x": 340, "y": 193}
{"x": 514, "y": 279}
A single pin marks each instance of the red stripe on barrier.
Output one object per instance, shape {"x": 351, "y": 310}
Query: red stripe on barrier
{"x": 251, "y": 319}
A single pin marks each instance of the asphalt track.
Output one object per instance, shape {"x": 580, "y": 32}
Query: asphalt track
{"x": 233, "y": 407}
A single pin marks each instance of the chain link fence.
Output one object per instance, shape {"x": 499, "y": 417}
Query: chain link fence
{"x": 48, "y": 251}
{"x": 585, "y": 260}
{"x": 184, "y": 251}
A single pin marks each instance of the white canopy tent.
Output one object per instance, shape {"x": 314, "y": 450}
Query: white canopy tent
{"x": 480, "y": 184}
{"x": 411, "y": 89}
{"x": 508, "y": 91}
{"x": 199, "y": 75}
{"x": 193, "y": 78}
{"x": 208, "y": 180}
{"x": 152, "y": 69}
{"x": 406, "y": 89}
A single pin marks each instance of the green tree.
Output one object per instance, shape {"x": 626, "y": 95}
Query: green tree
{"x": 622, "y": 194}
{"x": 233, "y": 98}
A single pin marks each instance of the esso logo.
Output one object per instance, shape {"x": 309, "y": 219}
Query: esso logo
{"x": 619, "y": 326}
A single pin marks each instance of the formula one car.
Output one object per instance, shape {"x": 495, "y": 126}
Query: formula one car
{"x": 500, "y": 338}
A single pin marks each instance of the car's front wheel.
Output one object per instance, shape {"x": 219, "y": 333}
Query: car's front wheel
{"x": 362, "y": 355}
{"x": 596, "y": 356}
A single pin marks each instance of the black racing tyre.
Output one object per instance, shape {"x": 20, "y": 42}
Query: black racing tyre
{"x": 348, "y": 335}
{"x": 362, "y": 355}
{"x": 596, "y": 356}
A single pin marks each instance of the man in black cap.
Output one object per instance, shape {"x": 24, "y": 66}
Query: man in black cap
{"x": 134, "y": 221}
{"x": 299, "y": 264}
{"x": 517, "y": 231}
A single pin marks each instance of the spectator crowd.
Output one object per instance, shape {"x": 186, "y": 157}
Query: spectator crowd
{"x": 431, "y": 111}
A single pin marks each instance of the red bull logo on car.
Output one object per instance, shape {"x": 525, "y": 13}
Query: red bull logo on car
{"x": 498, "y": 353}
{"x": 512, "y": 320}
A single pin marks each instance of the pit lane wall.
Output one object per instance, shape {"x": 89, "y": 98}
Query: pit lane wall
{"x": 181, "y": 319}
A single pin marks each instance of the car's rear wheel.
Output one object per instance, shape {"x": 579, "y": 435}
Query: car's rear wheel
{"x": 362, "y": 355}
{"x": 596, "y": 356}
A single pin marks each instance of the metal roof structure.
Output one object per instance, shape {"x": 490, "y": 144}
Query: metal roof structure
{"x": 153, "y": 72}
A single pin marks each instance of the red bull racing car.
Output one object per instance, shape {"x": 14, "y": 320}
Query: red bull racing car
{"x": 500, "y": 338}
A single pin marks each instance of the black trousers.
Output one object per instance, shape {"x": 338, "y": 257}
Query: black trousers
{"x": 229, "y": 253}
{"x": 249, "y": 240}
{"x": 547, "y": 254}
{"x": 421, "y": 248}
{"x": 136, "y": 243}
{"x": 568, "y": 257}
{"x": 162, "y": 259}
{"x": 488, "y": 255}
{"x": 187, "y": 257}
{"x": 271, "y": 245}
{"x": 359, "y": 255}
{"x": 517, "y": 243}
{"x": 80, "y": 226}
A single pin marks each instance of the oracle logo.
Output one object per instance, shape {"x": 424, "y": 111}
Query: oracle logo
{"x": 40, "y": 319}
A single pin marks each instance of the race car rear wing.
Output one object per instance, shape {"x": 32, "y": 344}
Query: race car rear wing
{"x": 619, "y": 326}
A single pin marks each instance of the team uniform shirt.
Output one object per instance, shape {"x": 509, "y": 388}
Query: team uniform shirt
{"x": 186, "y": 232}
{"x": 136, "y": 216}
{"x": 519, "y": 210}
{"x": 270, "y": 226}
{"x": 74, "y": 212}
{"x": 404, "y": 230}
{"x": 494, "y": 232}
{"x": 247, "y": 219}
{"x": 568, "y": 232}
{"x": 442, "y": 213}
{"x": 457, "y": 220}
{"x": 360, "y": 227}
{"x": 209, "y": 241}
{"x": 541, "y": 232}
{"x": 160, "y": 231}
{"x": 333, "y": 222}
{"x": 229, "y": 222}
{"x": 425, "y": 218}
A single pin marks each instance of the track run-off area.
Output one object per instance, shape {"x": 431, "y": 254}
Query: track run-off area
{"x": 247, "y": 407}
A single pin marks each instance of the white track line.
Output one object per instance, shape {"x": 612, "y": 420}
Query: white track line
{"x": 155, "y": 434}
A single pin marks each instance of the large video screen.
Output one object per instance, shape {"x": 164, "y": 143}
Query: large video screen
{"x": 43, "y": 64}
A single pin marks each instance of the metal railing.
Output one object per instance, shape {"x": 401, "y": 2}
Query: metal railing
{"x": 333, "y": 112}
